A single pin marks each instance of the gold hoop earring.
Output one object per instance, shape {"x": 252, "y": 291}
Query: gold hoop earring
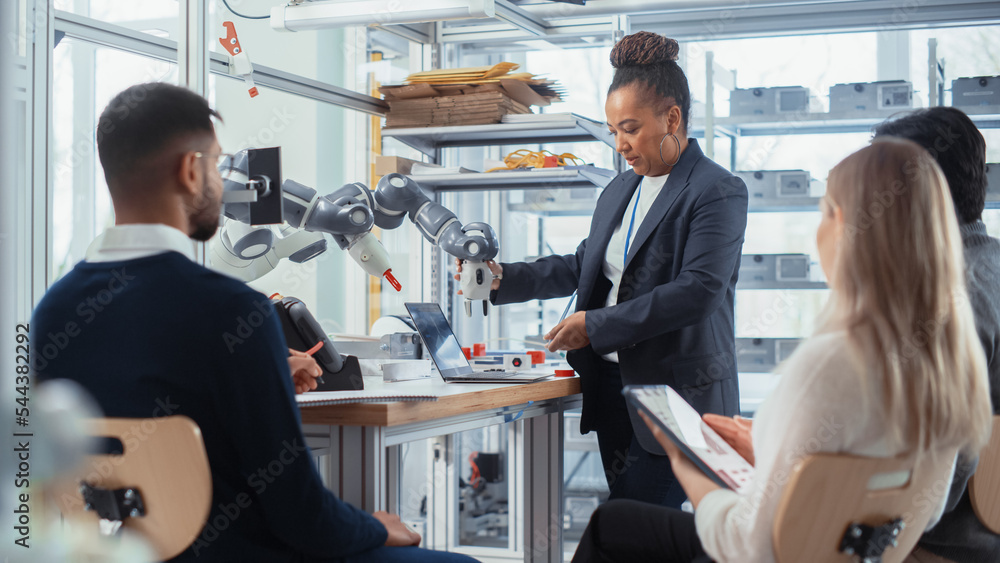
{"x": 676, "y": 140}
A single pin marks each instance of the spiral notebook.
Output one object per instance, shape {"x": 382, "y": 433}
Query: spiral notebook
{"x": 323, "y": 398}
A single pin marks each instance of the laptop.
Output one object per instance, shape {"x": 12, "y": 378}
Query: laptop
{"x": 444, "y": 349}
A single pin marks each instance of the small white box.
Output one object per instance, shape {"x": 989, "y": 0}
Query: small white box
{"x": 403, "y": 370}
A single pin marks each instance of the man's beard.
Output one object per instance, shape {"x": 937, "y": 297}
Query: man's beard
{"x": 206, "y": 216}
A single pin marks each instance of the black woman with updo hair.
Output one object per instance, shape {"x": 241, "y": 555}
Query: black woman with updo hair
{"x": 655, "y": 277}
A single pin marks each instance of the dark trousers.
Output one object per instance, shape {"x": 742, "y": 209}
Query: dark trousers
{"x": 634, "y": 532}
{"x": 632, "y": 472}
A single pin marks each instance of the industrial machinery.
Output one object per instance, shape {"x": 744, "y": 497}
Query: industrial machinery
{"x": 775, "y": 268}
{"x": 871, "y": 96}
{"x": 761, "y": 355}
{"x": 975, "y": 91}
{"x": 297, "y": 218}
{"x": 484, "y": 507}
{"x": 769, "y": 101}
{"x": 778, "y": 188}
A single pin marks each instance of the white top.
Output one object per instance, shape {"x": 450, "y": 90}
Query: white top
{"x": 614, "y": 257}
{"x": 817, "y": 406}
{"x": 128, "y": 242}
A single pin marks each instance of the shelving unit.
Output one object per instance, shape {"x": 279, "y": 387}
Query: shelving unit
{"x": 800, "y": 123}
{"x": 784, "y": 205}
{"x": 713, "y": 127}
{"x": 985, "y": 117}
{"x": 559, "y": 130}
{"x": 823, "y": 123}
{"x": 566, "y": 177}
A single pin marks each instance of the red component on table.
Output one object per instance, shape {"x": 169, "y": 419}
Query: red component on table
{"x": 537, "y": 356}
{"x": 479, "y": 349}
{"x": 565, "y": 373}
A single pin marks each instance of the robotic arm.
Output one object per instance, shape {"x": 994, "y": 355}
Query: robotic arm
{"x": 248, "y": 252}
{"x": 397, "y": 196}
{"x": 348, "y": 214}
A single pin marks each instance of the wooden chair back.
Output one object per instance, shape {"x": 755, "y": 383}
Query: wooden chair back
{"x": 984, "y": 487}
{"x": 828, "y": 492}
{"x": 165, "y": 459}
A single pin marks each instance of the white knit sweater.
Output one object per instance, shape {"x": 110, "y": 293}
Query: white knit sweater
{"x": 817, "y": 406}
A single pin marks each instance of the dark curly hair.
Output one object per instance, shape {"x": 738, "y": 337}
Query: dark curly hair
{"x": 650, "y": 60}
{"x": 958, "y": 147}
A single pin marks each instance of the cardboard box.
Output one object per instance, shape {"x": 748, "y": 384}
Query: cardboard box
{"x": 389, "y": 164}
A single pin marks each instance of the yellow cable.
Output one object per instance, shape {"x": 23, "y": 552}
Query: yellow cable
{"x": 525, "y": 158}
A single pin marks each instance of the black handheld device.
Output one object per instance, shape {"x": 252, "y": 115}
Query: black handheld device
{"x": 303, "y": 332}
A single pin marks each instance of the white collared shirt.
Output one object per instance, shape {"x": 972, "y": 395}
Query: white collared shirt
{"x": 128, "y": 242}
{"x": 614, "y": 257}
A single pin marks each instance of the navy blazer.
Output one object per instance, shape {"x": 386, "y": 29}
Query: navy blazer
{"x": 673, "y": 323}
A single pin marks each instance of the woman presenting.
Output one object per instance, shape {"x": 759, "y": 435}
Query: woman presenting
{"x": 655, "y": 276}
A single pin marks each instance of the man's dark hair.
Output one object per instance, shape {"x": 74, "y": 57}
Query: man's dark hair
{"x": 957, "y": 146}
{"x": 144, "y": 119}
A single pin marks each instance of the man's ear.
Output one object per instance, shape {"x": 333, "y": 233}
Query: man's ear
{"x": 189, "y": 173}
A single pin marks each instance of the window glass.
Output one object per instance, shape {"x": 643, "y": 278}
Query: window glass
{"x": 156, "y": 17}
{"x": 85, "y": 78}
{"x": 310, "y": 54}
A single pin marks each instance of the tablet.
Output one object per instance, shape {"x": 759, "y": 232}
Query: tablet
{"x": 696, "y": 439}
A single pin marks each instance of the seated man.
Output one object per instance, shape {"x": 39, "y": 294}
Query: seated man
{"x": 143, "y": 328}
{"x": 959, "y": 148}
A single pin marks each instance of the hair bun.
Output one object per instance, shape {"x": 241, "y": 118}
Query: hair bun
{"x": 644, "y": 48}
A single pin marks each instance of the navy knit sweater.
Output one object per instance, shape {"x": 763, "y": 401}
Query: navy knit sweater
{"x": 162, "y": 335}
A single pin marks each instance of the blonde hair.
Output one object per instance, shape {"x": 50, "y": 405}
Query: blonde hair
{"x": 899, "y": 288}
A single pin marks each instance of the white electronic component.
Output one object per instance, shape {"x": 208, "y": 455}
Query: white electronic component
{"x": 516, "y": 362}
{"x": 775, "y": 268}
{"x": 403, "y": 370}
{"x": 769, "y": 185}
{"x": 476, "y": 280}
{"x": 975, "y": 91}
{"x": 769, "y": 101}
{"x": 871, "y": 96}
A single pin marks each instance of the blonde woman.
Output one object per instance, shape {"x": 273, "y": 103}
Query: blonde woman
{"x": 894, "y": 366}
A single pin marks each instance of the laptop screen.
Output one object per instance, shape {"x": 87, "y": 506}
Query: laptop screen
{"x": 439, "y": 340}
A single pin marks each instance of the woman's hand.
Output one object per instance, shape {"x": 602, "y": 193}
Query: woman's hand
{"x": 735, "y": 431}
{"x": 571, "y": 334}
{"x": 304, "y": 369}
{"x": 497, "y": 270}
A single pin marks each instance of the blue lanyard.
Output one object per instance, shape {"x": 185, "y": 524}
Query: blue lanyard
{"x": 628, "y": 235}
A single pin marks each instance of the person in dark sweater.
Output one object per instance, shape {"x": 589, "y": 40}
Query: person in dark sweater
{"x": 149, "y": 333}
{"x": 959, "y": 148}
